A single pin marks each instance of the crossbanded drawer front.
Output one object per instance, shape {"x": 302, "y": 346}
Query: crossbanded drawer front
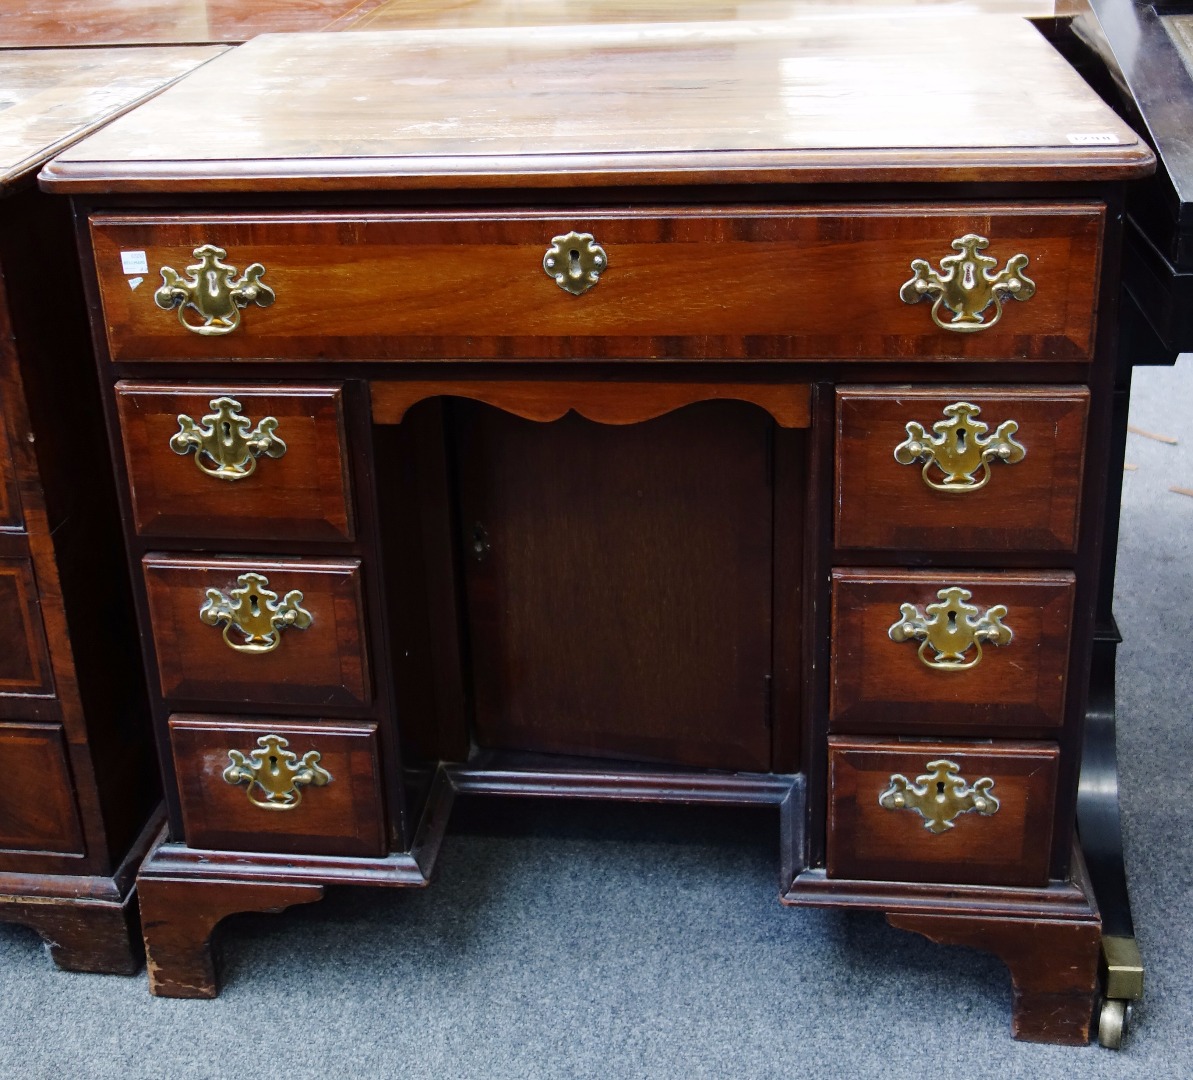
{"x": 959, "y": 469}
{"x": 10, "y": 502}
{"x": 939, "y": 652}
{"x": 704, "y": 283}
{"x": 259, "y": 631}
{"x": 37, "y": 804}
{"x": 24, "y": 658}
{"x": 958, "y": 813}
{"x": 304, "y": 788}
{"x": 230, "y": 461}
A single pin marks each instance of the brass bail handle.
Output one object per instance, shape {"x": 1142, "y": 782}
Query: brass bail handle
{"x": 212, "y": 292}
{"x": 956, "y": 458}
{"x": 255, "y": 612}
{"x": 225, "y": 446}
{"x": 948, "y": 629}
{"x": 967, "y": 284}
{"x": 275, "y": 771}
{"x": 940, "y": 796}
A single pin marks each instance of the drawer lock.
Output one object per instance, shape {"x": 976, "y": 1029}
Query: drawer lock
{"x": 274, "y": 775}
{"x": 255, "y": 611}
{"x": 939, "y": 796}
{"x": 950, "y": 628}
{"x": 575, "y": 262}
{"x": 223, "y": 443}
{"x": 212, "y": 292}
{"x": 957, "y": 456}
{"x": 967, "y": 284}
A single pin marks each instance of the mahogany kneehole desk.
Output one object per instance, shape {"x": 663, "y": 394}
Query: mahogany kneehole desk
{"x": 754, "y": 460}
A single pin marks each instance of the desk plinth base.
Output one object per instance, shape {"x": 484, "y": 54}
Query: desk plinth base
{"x": 89, "y": 923}
{"x": 1049, "y": 938}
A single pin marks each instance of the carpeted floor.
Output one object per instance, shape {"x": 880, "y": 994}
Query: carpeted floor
{"x": 552, "y": 946}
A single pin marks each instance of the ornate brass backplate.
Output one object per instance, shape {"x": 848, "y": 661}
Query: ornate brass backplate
{"x": 575, "y": 262}
{"x": 967, "y": 284}
{"x": 255, "y": 611}
{"x": 212, "y": 291}
{"x": 950, "y": 628}
{"x": 276, "y": 772}
{"x": 939, "y": 796}
{"x": 960, "y": 449}
{"x": 224, "y": 445}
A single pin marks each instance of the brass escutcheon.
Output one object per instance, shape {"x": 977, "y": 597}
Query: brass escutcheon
{"x": 277, "y": 772}
{"x": 950, "y": 628}
{"x": 939, "y": 796}
{"x": 255, "y": 611}
{"x": 960, "y": 448}
{"x": 575, "y": 262}
{"x": 212, "y": 291}
{"x": 226, "y": 442}
{"x": 967, "y": 284}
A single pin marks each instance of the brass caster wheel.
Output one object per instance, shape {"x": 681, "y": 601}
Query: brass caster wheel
{"x": 1113, "y": 1022}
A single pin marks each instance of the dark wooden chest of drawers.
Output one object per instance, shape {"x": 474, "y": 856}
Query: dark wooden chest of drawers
{"x": 491, "y": 443}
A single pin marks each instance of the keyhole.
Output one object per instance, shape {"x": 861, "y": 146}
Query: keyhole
{"x": 961, "y": 440}
{"x": 226, "y": 432}
{"x": 254, "y": 606}
{"x": 574, "y": 268}
{"x": 952, "y": 622}
{"x": 939, "y": 788}
{"x": 273, "y": 764}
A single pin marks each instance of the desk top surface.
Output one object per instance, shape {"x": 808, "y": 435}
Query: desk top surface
{"x": 31, "y": 24}
{"x": 980, "y": 98}
{"x": 71, "y": 23}
{"x": 51, "y": 97}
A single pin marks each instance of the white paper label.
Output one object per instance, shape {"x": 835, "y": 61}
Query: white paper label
{"x": 1095, "y": 139}
{"x": 134, "y": 262}
{"x": 133, "y": 282}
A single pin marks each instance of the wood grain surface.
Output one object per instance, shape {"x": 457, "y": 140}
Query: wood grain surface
{"x": 834, "y": 99}
{"x": 704, "y": 282}
{"x": 24, "y": 660}
{"x": 37, "y": 805}
{"x": 304, "y": 494}
{"x": 323, "y": 664}
{"x": 343, "y": 817}
{"x": 49, "y": 98}
{"x": 882, "y": 685}
{"x": 45, "y": 24}
{"x": 623, "y": 606}
{"x": 1028, "y": 506}
{"x": 10, "y": 502}
{"x": 1009, "y": 847}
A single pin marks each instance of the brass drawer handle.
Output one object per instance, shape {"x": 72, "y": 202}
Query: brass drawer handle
{"x": 939, "y": 796}
{"x": 950, "y": 628}
{"x": 277, "y": 772}
{"x": 960, "y": 448}
{"x": 224, "y": 445}
{"x": 212, "y": 291}
{"x": 967, "y": 285}
{"x": 575, "y": 262}
{"x": 255, "y": 611}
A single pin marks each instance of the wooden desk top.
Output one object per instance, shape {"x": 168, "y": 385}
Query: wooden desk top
{"x": 819, "y": 99}
{"x": 51, "y": 97}
{"x": 44, "y": 24}
{"x": 419, "y": 14}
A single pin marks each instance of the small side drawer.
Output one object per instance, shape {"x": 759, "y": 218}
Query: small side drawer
{"x": 324, "y": 663}
{"x": 954, "y": 844}
{"x": 880, "y": 683}
{"x": 323, "y": 803}
{"x": 291, "y": 482}
{"x": 959, "y": 494}
{"x": 37, "y": 802}
{"x": 24, "y": 658}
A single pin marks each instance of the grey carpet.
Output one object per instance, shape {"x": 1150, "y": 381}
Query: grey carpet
{"x": 614, "y": 941}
